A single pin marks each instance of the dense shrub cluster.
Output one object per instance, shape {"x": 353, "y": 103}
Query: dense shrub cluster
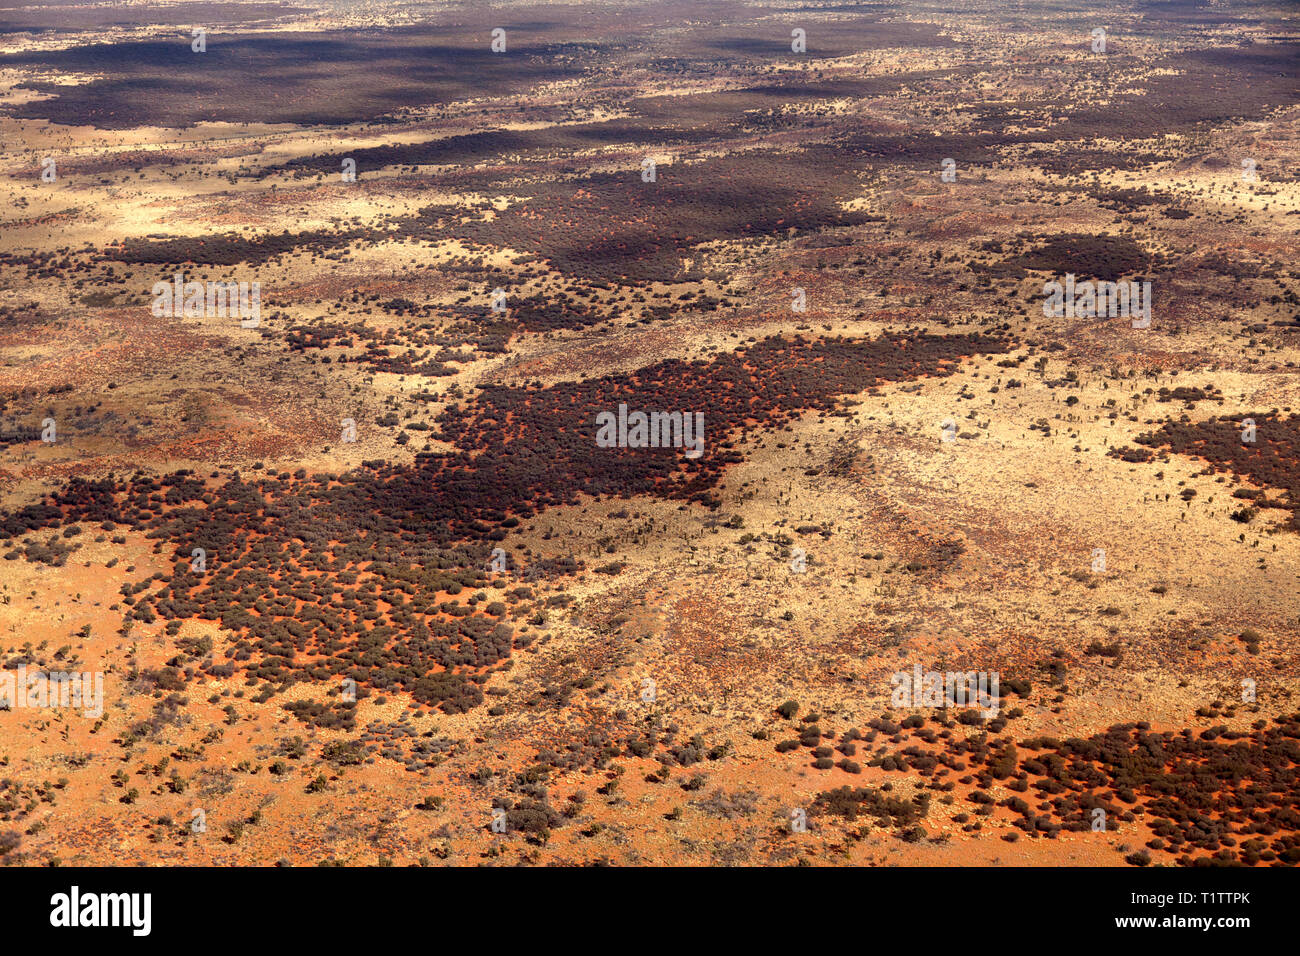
{"x": 1272, "y": 460}
{"x": 1216, "y": 796}
{"x": 848, "y": 802}
{"x": 613, "y": 226}
{"x": 1088, "y": 255}
{"x": 327, "y": 576}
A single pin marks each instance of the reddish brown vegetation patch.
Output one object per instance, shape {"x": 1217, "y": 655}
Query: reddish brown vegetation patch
{"x": 1272, "y": 460}
{"x": 1214, "y": 797}
{"x": 348, "y": 576}
{"x": 617, "y": 228}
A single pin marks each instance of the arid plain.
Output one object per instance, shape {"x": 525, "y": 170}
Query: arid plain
{"x": 363, "y": 583}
